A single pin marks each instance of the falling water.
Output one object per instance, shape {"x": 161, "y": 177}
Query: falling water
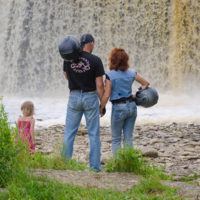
{"x": 160, "y": 36}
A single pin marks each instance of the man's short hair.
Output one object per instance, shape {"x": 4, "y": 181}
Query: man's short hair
{"x": 85, "y": 39}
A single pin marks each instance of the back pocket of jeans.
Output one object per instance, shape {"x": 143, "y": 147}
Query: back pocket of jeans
{"x": 119, "y": 114}
{"x": 91, "y": 102}
{"x": 72, "y": 103}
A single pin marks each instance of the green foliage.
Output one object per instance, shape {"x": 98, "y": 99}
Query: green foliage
{"x": 5, "y": 144}
{"x": 26, "y": 186}
{"x": 152, "y": 189}
{"x": 11, "y": 147}
{"x": 131, "y": 160}
{"x": 54, "y": 162}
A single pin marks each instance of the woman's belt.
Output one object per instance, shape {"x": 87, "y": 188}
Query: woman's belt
{"x": 123, "y": 100}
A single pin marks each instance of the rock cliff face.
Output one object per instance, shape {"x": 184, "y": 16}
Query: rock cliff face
{"x": 161, "y": 37}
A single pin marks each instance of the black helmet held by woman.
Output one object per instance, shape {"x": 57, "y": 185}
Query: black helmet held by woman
{"x": 69, "y": 48}
{"x": 147, "y": 97}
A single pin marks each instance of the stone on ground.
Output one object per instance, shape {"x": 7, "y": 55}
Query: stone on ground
{"x": 150, "y": 152}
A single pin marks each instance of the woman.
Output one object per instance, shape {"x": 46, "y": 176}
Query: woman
{"x": 119, "y": 82}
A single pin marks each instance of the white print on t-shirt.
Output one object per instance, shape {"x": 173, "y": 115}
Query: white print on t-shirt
{"x": 82, "y": 66}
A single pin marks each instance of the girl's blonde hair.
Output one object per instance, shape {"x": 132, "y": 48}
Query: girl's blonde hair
{"x": 27, "y": 108}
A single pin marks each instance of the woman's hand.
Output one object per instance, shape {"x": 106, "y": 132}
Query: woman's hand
{"x": 101, "y": 111}
{"x": 106, "y": 96}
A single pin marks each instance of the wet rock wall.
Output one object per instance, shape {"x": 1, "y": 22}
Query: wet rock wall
{"x": 161, "y": 38}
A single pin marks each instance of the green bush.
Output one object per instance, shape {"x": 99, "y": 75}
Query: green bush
{"x": 5, "y": 146}
{"x": 10, "y": 149}
{"x": 131, "y": 160}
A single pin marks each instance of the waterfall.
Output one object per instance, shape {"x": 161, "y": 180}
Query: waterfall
{"x": 160, "y": 36}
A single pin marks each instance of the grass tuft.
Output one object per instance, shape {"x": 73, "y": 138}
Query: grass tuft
{"x": 131, "y": 160}
{"x": 152, "y": 189}
{"x": 56, "y": 162}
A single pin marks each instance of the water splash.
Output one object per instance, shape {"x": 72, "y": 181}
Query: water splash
{"x": 180, "y": 109}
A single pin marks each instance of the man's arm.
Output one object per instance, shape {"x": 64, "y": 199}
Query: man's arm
{"x": 100, "y": 86}
{"x": 65, "y": 69}
{"x": 106, "y": 96}
{"x": 65, "y": 74}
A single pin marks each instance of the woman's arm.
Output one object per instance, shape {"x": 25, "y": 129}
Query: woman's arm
{"x": 32, "y": 129}
{"x": 144, "y": 83}
{"x": 106, "y": 96}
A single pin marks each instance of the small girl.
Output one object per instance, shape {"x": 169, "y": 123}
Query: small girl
{"x": 27, "y": 123}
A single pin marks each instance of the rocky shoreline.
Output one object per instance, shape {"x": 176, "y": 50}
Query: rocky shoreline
{"x": 174, "y": 146}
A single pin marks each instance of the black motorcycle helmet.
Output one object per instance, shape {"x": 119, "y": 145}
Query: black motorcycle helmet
{"x": 69, "y": 48}
{"x": 147, "y": 97}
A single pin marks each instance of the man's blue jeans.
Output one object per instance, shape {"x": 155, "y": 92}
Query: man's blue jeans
{"x": 87, "y": 104}
{"x": 122, "y": 118}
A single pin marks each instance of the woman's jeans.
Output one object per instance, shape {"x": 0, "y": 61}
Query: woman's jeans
{"x": 88, "y": 104}
{"x": 122, "y": 118}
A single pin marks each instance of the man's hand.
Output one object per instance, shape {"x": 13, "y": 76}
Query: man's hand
{"x": 102, "y": 111}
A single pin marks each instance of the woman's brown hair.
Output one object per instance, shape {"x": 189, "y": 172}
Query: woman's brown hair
{"x": 27, "y": 108}
{"x": 118, "y": 59}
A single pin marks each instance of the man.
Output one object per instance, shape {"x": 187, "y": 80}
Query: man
{"x": 86, "y": 89}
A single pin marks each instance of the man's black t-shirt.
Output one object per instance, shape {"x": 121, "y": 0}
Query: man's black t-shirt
{"x": 82, "y": 75}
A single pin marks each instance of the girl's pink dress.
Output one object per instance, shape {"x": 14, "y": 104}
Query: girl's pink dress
{"x": 26, "y": 126}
